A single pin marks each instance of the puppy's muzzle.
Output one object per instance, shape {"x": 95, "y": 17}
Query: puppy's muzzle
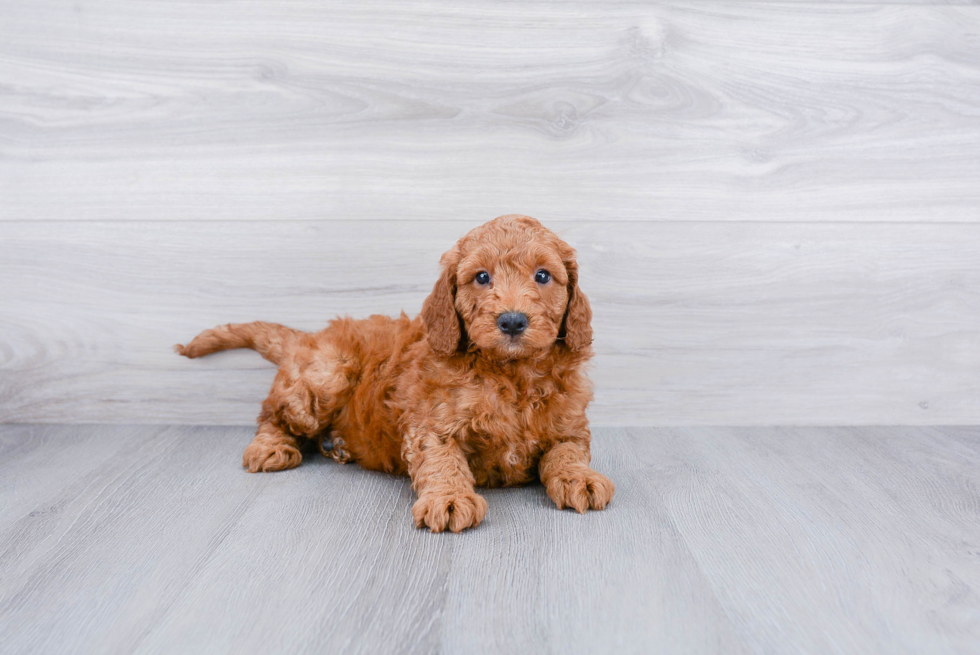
{"x": 512, "y": 323}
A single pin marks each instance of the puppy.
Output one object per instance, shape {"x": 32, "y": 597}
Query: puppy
{"x": 486, "y": 387}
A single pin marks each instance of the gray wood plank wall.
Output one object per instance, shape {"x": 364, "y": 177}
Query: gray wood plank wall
{"x": 777, "y": 205}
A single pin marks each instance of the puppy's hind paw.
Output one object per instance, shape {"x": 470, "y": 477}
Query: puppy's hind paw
{"x": 266, "y": 457}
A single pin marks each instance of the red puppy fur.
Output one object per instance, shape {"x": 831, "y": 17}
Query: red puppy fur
{"x": 452, "y": 397}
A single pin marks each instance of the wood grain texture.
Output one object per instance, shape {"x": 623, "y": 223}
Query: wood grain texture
{"x": 695, "y": 323}
{"x": 258, "y": 110}
{"x": 32, "y": 456}
{"x": 749, "y": 185}
{"x": 848, "y": 528}
{"x": 816, "y": 540}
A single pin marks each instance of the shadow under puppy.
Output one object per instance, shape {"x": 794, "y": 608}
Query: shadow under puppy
{"x": 486, "y": 387}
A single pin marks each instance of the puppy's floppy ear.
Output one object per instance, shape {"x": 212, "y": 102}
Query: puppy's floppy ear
{"x": 577, "y": 326}
{"x": 442, "y": 324}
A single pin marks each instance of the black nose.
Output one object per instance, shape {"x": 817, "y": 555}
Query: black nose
{"x": 512, "y": 323}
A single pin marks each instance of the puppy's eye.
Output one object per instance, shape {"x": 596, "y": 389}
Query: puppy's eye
{"x": 482, "y": 277}
{"x": 542, "y": 277}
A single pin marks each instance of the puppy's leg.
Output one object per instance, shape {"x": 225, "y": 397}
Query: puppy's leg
{"x": 272, "y": 449}
{"x": 565, "y": 473}
{"x": 443, "y": 481}
{"x": 309, "y": 389}
{"x": 305, "y": 396}
{"x": 312, "y": 384}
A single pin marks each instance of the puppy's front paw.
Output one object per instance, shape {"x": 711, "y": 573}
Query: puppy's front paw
{"x": 270, "y": 457}
{"x": 456, "y": 510}
{"x": 581, "y": 490}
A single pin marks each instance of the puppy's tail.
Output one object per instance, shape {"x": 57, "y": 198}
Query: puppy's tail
{"x": 268, "y": 339}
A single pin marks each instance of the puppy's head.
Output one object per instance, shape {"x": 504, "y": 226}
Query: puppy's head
{"x": 509, "y": 288}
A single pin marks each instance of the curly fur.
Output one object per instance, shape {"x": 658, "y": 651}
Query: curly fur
{"x": 445, "y": 397}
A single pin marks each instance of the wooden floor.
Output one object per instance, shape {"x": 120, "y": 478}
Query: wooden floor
{"x": 720, "y": 540}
